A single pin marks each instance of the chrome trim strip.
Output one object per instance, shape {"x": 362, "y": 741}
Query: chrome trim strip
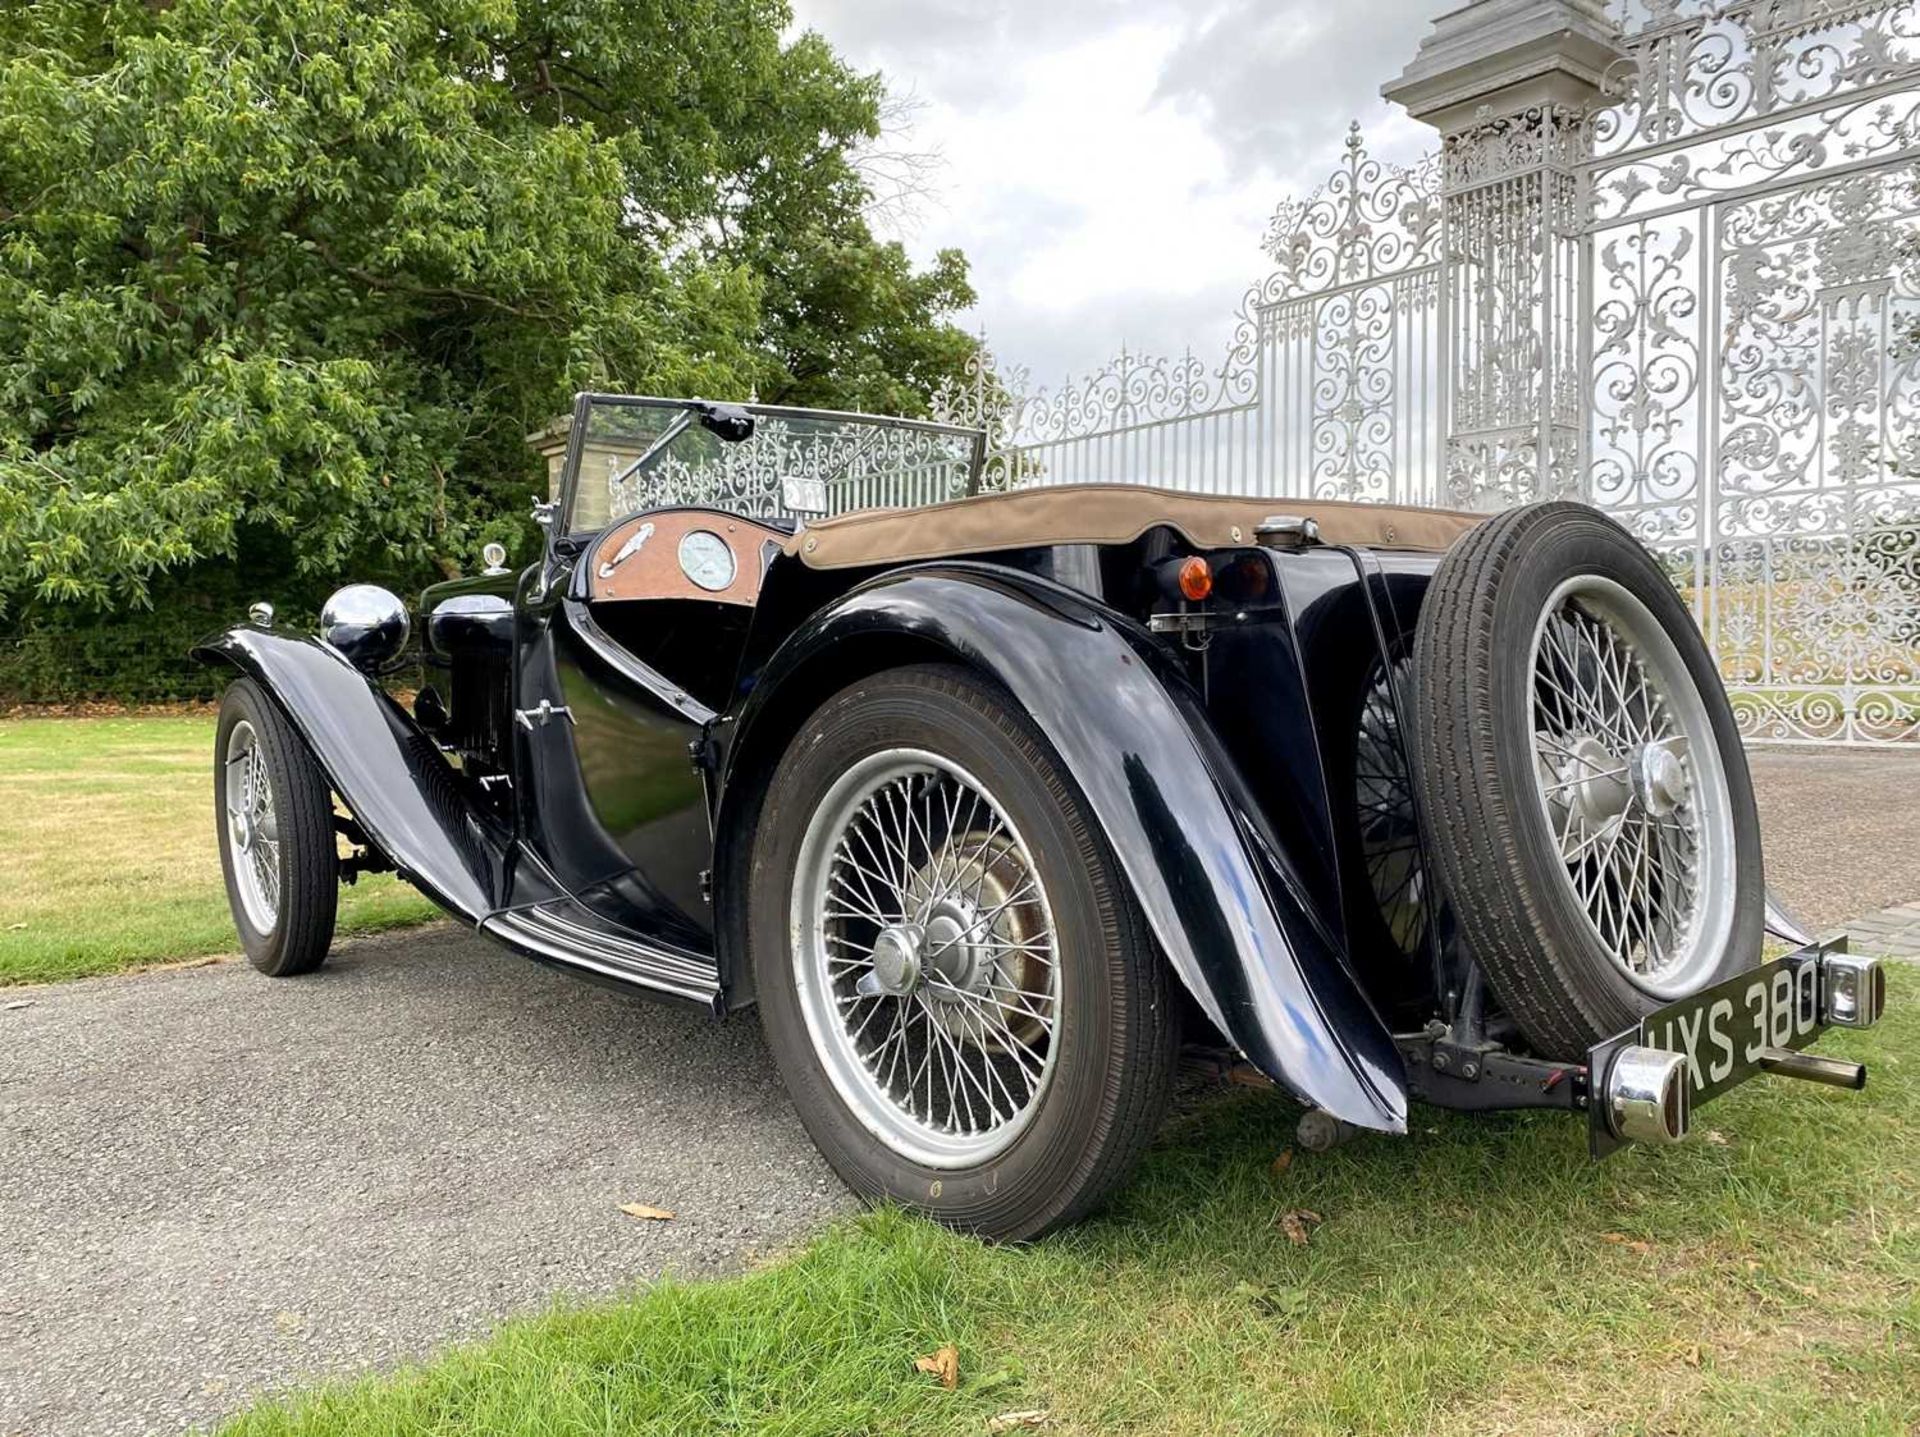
{"x": 650, "y": 971}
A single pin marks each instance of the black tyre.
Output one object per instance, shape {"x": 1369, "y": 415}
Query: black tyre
{"x": 1593, "y": 819}
{"x": 955, "y": 981}
{"x": 274, "y": 814}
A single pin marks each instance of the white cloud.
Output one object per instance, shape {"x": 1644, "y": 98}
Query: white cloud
{"x": 1108, "y": 168}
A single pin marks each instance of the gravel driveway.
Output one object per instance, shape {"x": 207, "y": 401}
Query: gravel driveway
{"x": 212, "y": 1185}
{"x": 1840, "y": 829}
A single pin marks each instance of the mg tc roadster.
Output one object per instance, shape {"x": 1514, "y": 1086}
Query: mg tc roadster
{"x": 996, "y": 805}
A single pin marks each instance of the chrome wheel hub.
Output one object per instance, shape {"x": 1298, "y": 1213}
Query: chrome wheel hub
{"x": 924, "y": 960}
{"x": 896, "y": 960}
{"x": 956, "y": 959}
{"x": 1594, "y": 781}
{"x": 1660, "y": 778}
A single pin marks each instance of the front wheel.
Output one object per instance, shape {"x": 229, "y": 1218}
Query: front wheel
{"x": 277, "y": 847}
{"x": 952, "y": 974}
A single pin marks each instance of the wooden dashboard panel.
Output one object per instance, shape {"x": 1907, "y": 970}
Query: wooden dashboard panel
{"x": 639, "y": 558}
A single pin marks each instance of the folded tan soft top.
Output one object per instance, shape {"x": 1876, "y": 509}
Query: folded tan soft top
{"x": 1104, "y": 514}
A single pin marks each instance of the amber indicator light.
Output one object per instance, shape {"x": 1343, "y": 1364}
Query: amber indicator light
{"x": 1196, "y": 579}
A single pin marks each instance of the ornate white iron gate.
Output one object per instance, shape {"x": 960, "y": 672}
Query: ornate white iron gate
{"x": 1755, "y": 403}
{"x": 1663, "y": 269}
{"x": 1331, "y": 385}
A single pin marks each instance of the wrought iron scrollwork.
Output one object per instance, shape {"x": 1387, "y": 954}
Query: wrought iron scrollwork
{"x": 1686, "y": 306}
{"x": 1755, "y": 406}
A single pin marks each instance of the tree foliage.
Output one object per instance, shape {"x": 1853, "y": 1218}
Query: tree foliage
{"x": 312, "y": 269}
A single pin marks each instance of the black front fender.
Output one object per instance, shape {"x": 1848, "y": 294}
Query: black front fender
{"x": 1124, "y": 724}
{"x": 402, "y": 792}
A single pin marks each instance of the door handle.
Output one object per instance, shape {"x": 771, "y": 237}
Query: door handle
{"x": 541, "y": 714}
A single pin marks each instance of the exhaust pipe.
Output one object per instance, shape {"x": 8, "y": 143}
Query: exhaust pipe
{"x": 1834, "y": 1072}
{"x": 1647, "y": 1097}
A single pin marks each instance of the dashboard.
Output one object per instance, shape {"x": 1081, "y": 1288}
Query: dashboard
{"x": 681, "y": 554}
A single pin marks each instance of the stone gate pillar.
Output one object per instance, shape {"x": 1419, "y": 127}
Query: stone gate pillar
{"x": 1508, "y": 84}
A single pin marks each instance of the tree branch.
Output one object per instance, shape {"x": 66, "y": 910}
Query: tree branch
{"x": 425, "y": 291}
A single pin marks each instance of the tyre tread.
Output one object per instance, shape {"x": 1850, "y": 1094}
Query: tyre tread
{"x": 303, "y": 803}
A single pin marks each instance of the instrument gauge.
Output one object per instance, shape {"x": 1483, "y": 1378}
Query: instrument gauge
{"x": 706, "y": 559}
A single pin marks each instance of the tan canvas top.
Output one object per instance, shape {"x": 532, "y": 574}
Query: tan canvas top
{"x": 1104, "y": 514}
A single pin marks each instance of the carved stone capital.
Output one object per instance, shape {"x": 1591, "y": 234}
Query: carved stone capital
{"x": 1494, "y": 57}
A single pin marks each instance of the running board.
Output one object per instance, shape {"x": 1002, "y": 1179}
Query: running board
{"x": 553, "y": 935}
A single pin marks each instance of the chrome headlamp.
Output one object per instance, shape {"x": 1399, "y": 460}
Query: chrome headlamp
{"x": 367, "y": 624}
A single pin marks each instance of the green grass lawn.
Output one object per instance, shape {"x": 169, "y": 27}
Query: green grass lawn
{"x": 108, "y": 858}
{"x": 1480, "y": 1277}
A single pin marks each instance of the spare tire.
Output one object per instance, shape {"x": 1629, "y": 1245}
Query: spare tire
{"x": 1592, "y": 818}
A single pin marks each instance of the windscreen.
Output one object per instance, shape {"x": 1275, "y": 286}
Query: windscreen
{"x": 632, "y": 455}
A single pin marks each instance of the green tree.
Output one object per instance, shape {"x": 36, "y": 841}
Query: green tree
{"x": 297, "y": 276}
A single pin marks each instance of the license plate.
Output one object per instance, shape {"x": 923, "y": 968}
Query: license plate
{"x": 1722, "y": 1031}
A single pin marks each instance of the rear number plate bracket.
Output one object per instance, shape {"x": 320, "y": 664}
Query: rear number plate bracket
{"x": 1724, "y": 1032}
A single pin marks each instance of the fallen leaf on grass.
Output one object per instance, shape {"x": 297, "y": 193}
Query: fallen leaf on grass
{"x": 1715, "y": 1137}
{"x": 1009, "y": 1421}
{"x": 1631, "y": 1244}
{"x": 1283, "y": 1162}
{"x": 1691, "y": 1356}
{"x": 645, "y": 1213}
{"x": 15, "y": 927}
{"x": 1298, "y": 1224}
{"x": 943, "y": 1364}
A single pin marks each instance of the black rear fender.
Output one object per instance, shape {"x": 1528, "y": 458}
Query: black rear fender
{"x": 1129, "y": 730}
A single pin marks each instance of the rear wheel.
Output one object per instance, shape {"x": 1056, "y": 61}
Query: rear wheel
{"x": 277, "y": 846}
{"x": 1595, "y": 830}
{"x": 1387, "y": 827}
{"x": 952, "y": 975}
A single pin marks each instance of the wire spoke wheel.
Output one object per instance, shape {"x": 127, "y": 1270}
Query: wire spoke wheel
{"x": 253, "y": 829}
{"x": 1383, "y": 799}
{"x": 274, "y": 819}
{"x": 952, "y": 973}
{"x": 1628, "y": 774}
{"x": 924, "y": 956}
{"x": 1595, "y": 834}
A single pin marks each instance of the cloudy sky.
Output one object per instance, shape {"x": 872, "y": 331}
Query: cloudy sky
{"x": 1109, "y": 167}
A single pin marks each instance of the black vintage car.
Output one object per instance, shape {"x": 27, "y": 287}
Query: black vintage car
{"x": 995, "y": 806}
